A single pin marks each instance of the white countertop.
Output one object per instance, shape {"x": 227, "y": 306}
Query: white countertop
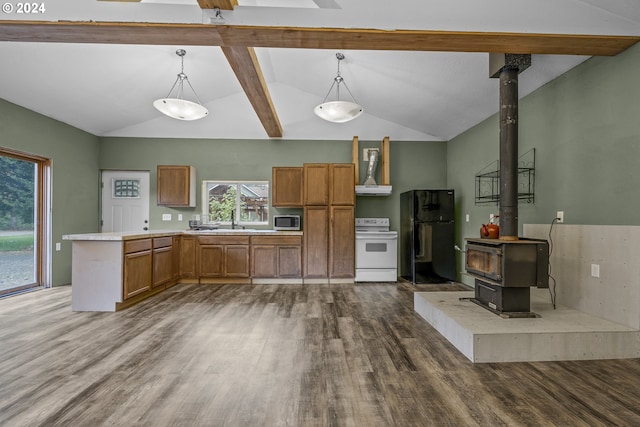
{"x": 131, "y": 235}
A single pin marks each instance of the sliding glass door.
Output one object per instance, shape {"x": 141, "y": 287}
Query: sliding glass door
{"x": 21, "y": 234}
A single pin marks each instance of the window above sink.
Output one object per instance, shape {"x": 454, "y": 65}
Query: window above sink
{"x": 235, "y": 203}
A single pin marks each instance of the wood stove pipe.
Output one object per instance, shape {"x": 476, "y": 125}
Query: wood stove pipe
{"x": 507, "y": 67}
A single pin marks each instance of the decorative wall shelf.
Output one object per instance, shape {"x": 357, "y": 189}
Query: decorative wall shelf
{"x": 488, "y": 181}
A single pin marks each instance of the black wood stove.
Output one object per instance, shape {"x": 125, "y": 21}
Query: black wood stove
{"x": 505, "y": 270}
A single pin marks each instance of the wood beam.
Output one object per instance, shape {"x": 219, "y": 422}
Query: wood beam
{"x": 110, "y": 33}
{"x": 355, "y": 159}
{"x": 312, "y": 38}
{"x": 245, "y": 65}
{"x": 424, "y": 40}
{"x": 221, "y": 4}
{"x": 386, "y": 161}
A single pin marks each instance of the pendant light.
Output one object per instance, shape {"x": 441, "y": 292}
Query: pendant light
{"x": 338, "y": 111}
{"x": 177, "y": 107}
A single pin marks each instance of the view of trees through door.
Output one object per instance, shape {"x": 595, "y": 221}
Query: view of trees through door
{"x": 19, "y": 233}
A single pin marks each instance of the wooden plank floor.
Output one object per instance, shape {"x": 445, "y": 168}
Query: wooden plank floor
{"x": 287, "y": 355}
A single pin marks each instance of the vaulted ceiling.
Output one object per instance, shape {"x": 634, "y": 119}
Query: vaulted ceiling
{"x": 418, "y": 67}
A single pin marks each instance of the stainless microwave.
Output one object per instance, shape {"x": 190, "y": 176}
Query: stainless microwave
{"x": 286, "y": 222}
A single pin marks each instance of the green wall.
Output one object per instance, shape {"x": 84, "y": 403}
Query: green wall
{"x": 74, "y": 156}
{"x": 585, "y": 127}
{"x": 413, "y": 165}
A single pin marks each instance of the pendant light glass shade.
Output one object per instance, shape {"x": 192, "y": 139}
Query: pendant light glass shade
{"x": 177, "y": 107}
{"x": 338, "y": 111}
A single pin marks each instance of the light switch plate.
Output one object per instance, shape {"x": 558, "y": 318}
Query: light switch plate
{"x": 365, "y": 153}
{"x": 595, "y": 270}
{"x": 57, "y": 246}
{"x": 166, "y": 217}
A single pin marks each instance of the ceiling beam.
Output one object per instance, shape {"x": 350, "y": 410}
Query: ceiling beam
{"x": 110, "y": 33}
{"x": 221, "y": 4}
{"x": 312, "y": 38}
{"x": 245, "y": 65}
{"x": 424, "y": 40}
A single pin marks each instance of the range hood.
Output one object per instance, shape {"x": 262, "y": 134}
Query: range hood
{"x": 373, "y": 190}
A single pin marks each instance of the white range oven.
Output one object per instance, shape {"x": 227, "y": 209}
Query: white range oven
{"x": 376, "y": 251}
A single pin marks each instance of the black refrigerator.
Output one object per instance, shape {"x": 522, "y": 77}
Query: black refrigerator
{"x": 427, "y": 239}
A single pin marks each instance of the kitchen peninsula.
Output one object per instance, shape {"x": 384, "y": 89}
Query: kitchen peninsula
{"x": 111, "y": 271}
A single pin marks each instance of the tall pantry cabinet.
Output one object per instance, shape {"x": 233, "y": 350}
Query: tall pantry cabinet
{"x": 329, "y": 223}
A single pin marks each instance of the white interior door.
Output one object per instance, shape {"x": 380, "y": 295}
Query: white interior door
{"x": 125, "y": 201}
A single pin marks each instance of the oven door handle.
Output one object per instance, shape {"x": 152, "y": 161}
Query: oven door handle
{"x": 369, "y": 237}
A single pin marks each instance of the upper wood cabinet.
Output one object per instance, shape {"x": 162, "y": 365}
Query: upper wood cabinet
{"x": 286, "y": 187}
{"x": 176, "y": 186}
{"x": 316, "y": 184}
{"x": 341, "y": 179}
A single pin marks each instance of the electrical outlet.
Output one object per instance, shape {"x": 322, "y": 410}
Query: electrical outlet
{"x": 560, "y": 217}
{"x": 57, "y": 246}
{"x": 491, "y": 216}
{"x": 466, "y": 217}
{"x": 166, "y": 217}
{"x": 595, "y": 270}
{"x": 179, "y": 217}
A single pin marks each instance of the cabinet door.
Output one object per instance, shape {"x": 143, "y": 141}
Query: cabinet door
{"x": 342, "y": 184}
{"x": 176, "y": 185}
{"x": 175, "y": 268}
{"x": 286, "y": 185}
{"x": 342, "y": 242}
{"x": 237, "y": 261}
{"x": 210, "y": 260}
{"x": 137, "y": 273}
{"x": 162, "y": 265}
{"x": 316, "y": 241}
{"x": 188, "y": 257}
{"x": 289, "y": 261}
{"x": 264, "y": 261}
{"x": 316, "y": 184}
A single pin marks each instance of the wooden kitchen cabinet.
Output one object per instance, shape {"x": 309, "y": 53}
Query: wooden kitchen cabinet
{"x": 175, "y": 250}
{"x": 341, "y": 188}
{"x": 137, "y": 267}
{"x": 176, "y": 186}
{"x": 162, "y": 260}
{"x": 316, "y": 241}
{"x": 342, "y": 241}
{"x": 188, "y": 258}
{"x": 287, "y": 187}
{"x": 316, "y": 184}
{"x": 223, "y": 257}
{"x": 276, "y": 256}
{"x": 211, "y": 260}
{"x": 329, "y": 221}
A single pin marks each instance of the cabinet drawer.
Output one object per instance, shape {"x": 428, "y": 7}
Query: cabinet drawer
{"x": 161, "y": 242}
{"x": 277, "y": 240}
{"x": 131, "y": 246}
{"x": 223, "y": 240}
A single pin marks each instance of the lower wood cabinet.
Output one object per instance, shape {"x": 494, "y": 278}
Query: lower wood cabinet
{"x": 342, "y": 242}
{"x": 137, "y": 268}
{"x": 163, "y": 262}
{"x": 316, "y": 241}
{"x": 223, "y": 257}
{"x": 329, "y": 242}
{"x": 276, "y": 257}
{"x": 188, "y": 246}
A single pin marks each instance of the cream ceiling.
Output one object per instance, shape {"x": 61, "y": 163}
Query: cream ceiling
{"x": 106, "y": 87}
